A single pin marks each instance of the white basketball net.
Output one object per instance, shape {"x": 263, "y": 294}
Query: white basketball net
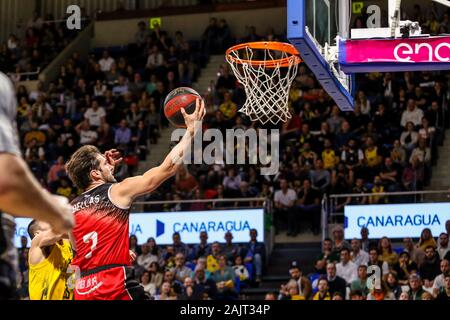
{"x": 267, "y": 88}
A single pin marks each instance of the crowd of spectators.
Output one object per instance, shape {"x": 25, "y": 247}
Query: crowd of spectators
{"x": 387, "y": 144}
{"x": 36, "y": 43}
{"x": 203, "y": 271}
{"x": 105, "y": 100}
{"x": 364, "y": 269}
{"x": 360, "y": 269}
{"x": 110, "y": 101}
{"x": 114, "y": 99}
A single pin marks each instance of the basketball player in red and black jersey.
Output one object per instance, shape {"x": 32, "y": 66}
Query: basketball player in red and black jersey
{"x": 102, "y": 212}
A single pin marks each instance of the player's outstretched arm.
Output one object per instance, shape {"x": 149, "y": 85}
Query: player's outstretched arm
{"x": 21, "y": 195}
{"x": 125, "y": 192}
{"x": 42, "y": 240}
{"x": 48, "y": 238}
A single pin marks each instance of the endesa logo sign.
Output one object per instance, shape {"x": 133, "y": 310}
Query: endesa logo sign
{"x": 422, "y": 52}
{"x": 431, "y": 53}
{"x": 189, "y": 224}
{"x": 396, "y": 220}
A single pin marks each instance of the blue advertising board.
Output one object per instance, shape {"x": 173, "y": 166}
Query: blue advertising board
{"x": 396, "y": 220}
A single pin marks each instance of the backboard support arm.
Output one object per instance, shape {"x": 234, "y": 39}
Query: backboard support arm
{"x": 443, "y": 2}
{"x": 394, "y": 19}
{"x": 344, "y": 19}
{"x": 397, "y": 28}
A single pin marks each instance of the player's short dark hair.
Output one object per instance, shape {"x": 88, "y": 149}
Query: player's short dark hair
{"x": 404, "y": 253}
{"x": 133, "y": 236}
{"x": 345, "y": 249}
{"x": 294, "y": 265}
{"x": 356, "y": 293}
{"x": 322, "y": 278}
{"x": 363, "y": 266}
{"x": 80, "y": 165}
{"x": 338, "y": 294}
{"x": 32, "y": 228}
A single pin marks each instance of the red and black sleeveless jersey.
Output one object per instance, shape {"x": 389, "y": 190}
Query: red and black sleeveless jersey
{"x": 101, "y": 230}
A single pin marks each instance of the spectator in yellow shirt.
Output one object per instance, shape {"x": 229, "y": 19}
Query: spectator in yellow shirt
{"x": 329, "y": 156}
{"x": 377, "y": 188}
{"x": 23, "y": 108}
{"x": 35, "y": 133}
{"x": 290, "y": 291}
{"x": 212, "y": 260}
{"x": 228, "y": 107}
{"x": 307, "y": 156}
{"x": 322, "y": 293}
{"x": 426, "y": 239}
{"x": 386, "y": 253}
{"x": 64, "y": 189}
{"x": 373, "y": 159}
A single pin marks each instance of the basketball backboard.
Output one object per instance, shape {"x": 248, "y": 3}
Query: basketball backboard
{"x": 383, "y": 39}
{"x": 312, "y": 28}
{"x": 337, "y": 38}
{"x": 443, "y": 2}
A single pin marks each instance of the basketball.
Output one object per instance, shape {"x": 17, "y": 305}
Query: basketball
{"x": 178, "y": 98}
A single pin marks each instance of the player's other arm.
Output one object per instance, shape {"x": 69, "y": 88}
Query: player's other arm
{"x": 125, "y": 192}
{"x": 42, "y": 240}
{"x": 49, "y": 238}
{"x": 21, "y": 195}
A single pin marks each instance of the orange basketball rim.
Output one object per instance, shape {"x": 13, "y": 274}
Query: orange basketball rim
{"x": 266, "y": 69}
{"x": 291, "y": 55}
